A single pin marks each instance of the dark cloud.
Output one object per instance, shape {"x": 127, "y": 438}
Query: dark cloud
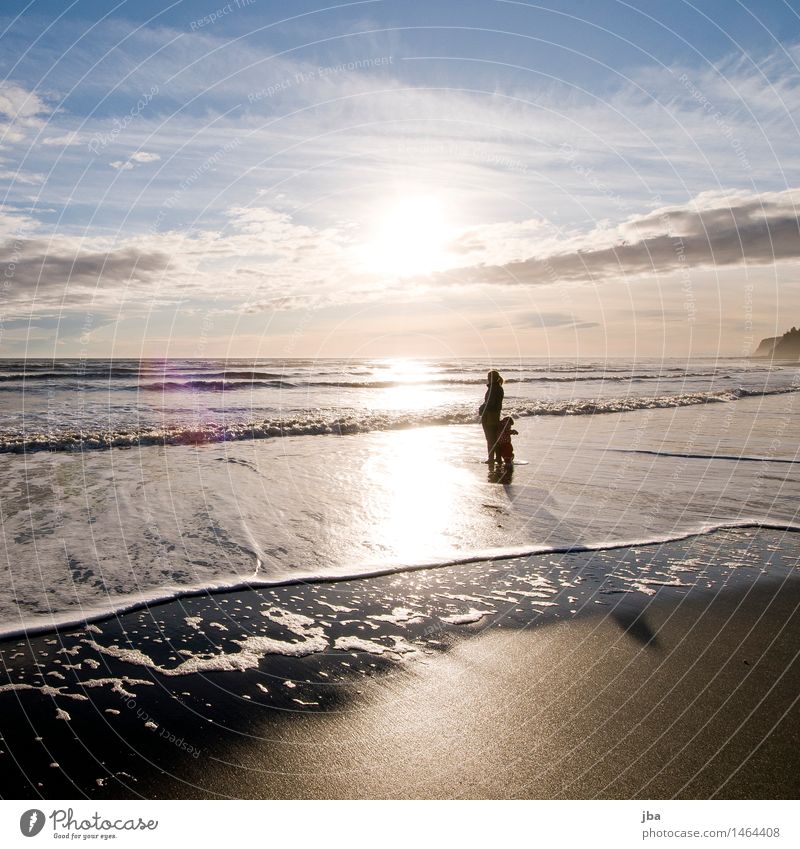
{"x": 658, "y": 313}
{"x": 66, "y": 322}
{"x": 757, "y": 231}
{"x": 539, "y": 321}
{"x": 33, "y": 268}
{"x": 551, "y": 319}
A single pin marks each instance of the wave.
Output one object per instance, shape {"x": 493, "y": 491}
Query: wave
{"x": 352, "y": 422}
{"x": 241, "y": 375}
{"x": 210, "y": 385}
{"x": 216, "y": 381}
{"x": 35, "y": 624}
{"x": 601, "y": 377}
{"x": 124, "y": 373}
{"x": 74, "y": 374}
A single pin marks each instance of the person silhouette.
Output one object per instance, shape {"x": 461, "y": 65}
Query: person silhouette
{"x": 490, "y": 412}
{"x": 505, "y": 430}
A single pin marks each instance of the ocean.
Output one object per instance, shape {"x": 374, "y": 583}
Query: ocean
{"x": 84, "y": 404}
{"x": 127, "y": 482}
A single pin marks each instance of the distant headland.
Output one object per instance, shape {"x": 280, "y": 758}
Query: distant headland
{"x": 786, "y": 347}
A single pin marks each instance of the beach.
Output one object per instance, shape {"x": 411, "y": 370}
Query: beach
{"x": 690, "y": 692}
{"x": 375, "y": 612}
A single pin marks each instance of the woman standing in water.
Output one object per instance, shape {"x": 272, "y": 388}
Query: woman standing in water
{"x": 490, "y": 412}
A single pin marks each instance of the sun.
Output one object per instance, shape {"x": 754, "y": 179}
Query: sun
{"x": 409, "y": 237}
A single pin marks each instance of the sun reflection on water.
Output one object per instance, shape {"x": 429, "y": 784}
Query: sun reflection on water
{"x": 420, "y": 514}
{"x": 408, "y": 386}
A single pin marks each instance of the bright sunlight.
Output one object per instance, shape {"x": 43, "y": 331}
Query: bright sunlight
{"x": 410, "y": 236}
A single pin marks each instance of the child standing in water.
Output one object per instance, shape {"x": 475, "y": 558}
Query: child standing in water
{"x": 505, "y": 432}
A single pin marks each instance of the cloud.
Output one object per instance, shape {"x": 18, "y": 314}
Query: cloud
{"x": 502, "y": 242}
{"x": 43, "y": 273}
{"x": 65, "y": 140}
{"x": 139, "y": 158}
{"x": 539, "y": 321}
{"x": 20, "y": 110}
{"x": 551, "y": 319}
{"x": 662, "y": 315}
{"x": 262, "y": 259}
{"x": 64, "y": 322}
{"x": 18, "y": 103}
{"x": 713, "y": 230}
{"x": 13, "y": 224}
{"x": 26, "y": 178}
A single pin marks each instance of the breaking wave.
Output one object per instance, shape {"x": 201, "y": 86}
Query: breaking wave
{"x": 212, "y": 385}
{"x": 231, "y": 381}
{"x": 344, "y": 422}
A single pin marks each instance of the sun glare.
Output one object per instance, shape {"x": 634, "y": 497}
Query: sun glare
{"x": 410, "y": 237}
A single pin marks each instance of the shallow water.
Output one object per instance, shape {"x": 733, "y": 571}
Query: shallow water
{"x": 87, "y": 534}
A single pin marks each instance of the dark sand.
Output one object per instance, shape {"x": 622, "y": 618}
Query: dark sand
{"x": 690, "y": 693}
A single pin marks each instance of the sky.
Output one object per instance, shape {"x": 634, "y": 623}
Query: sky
{"x": 472, "y": 178}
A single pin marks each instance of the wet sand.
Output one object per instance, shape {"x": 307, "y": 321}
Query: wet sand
{"x": 690, "y": 692}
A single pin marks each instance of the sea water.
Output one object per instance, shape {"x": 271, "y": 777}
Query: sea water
{"x": 132, "y": 481}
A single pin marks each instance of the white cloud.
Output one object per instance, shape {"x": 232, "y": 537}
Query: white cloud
{"x": 72, "y": 139}
{"x": 27, "y": 178}
{"x": 13, "y": 224}
{"x": 139, "y": 158}
{"x": 18, "y": 103}
{"x": 20, "y": 109}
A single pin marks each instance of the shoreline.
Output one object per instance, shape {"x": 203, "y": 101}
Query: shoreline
{"x": 416, "y": 651}
{"x": 70, "y": 623}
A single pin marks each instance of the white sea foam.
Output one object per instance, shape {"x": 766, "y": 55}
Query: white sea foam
{"x": 466, "y": 618}
{"x": 252, "y": 650}
{"x": 16, "y": 440}
{"x": 336, "y": 608}
{"x": 117, "y": 685}
{"x": 44, "y": 689}
{"x": 360, "y": 644}
{"x": 295, "y": 622}
{"x": 398, "y": 616}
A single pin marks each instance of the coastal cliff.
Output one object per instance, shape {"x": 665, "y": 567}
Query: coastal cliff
{"x": 786, "y": 347}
